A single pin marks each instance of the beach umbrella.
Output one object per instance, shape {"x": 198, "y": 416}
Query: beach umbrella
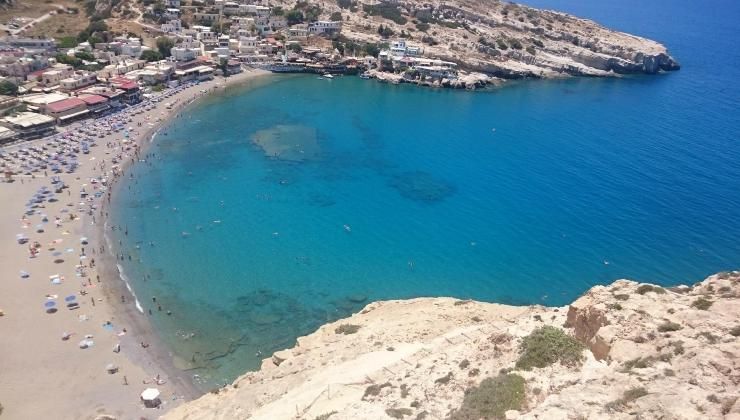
{"x": 70, "y": 298}
{"x": 50, "y": 304}
{"x": 111, "y": 368}
{"x": 150, "y": 396}
{"x": 25, "y": 274}
{"x": 57, "y": 253}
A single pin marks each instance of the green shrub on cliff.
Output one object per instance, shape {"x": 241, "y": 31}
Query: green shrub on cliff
{"x": 669, "y": 326}
{"x": 547, "y": 345}
{"x": 702, "y": 304}
{"x": 645, "y": 288}
{"x": 492, "y": 398}
{"x": 347, "y": 329}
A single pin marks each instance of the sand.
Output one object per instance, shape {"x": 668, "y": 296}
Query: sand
{"x": 41, "y": 375}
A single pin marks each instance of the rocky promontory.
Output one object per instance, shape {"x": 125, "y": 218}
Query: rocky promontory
{"x": 496, "y": 38}
{"x": 626, "y": 350}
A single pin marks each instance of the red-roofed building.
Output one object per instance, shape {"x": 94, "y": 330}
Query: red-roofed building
{"x": 66, "y": 110}
{"x": 97, "y": 104}
{"x": 132, "y": 93}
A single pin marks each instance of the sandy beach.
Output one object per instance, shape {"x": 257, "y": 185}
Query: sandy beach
{"x": 60, "y": 290}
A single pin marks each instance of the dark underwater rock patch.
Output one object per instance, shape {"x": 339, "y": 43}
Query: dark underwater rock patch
{"x": 422, "y": 186}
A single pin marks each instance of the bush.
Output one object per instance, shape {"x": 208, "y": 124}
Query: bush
{"x": 444, "y": 380}
{"x": 668, "y": 326}
{"x": 347, "y": 329}
{"x": 399, "y": 413}
{"x": 374, "y": 389}
{"x": 68, "y": 42}
{"x": 628, "y": 396}
{"x": 702, "y": 304}
{"x": 151, "y": 55}
{"x": 492, "y": 398}
{"x": 386, "y": 10}
{"x": 645, "y": 288}
{"x": 8, "y": 88}
{"x": 531, "y": 50}
{"x": 164, "y": 45}
{"x": 735, "y": 331}
{"x": 335, "y": 16}
{"x": 294, "y": 17}
{"x": 515, "y": 44}
{"x": 423, "y": 27}
{"x": 426, "y": 39}
{"x": 501, "y": 44}
{"x": 638, "y": 363}
{"x": 547, "y": 345}
{"x": 325, "y": 416}
{"x": 344, "y": 4}
{"x": 621, "y": 297}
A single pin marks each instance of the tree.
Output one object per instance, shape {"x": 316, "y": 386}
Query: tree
{"x": 66, "y": 59}
{"x": 223, "y": 64}
{"x": 277, "y": 11}
{"x": 151, "y": 55}
{"x": 94, "y": 39}
{"x": 164, "y": 45}
{"x": 8, "y": 88}
{"x": 336, "y": 16}
{"x": 294, "y": 17}
{"x": 84, "y": 55}
{"x": 371, "y": 49}
{"x": 295, "y": 47}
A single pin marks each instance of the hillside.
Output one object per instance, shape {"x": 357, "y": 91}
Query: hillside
{"x": 499, "y": 38}
{"x": 619, "y": 351}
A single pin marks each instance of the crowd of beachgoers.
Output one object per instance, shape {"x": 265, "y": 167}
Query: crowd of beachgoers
{"x": 73, "y": 336}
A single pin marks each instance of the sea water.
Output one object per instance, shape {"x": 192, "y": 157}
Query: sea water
{"x": 270, "y": 209}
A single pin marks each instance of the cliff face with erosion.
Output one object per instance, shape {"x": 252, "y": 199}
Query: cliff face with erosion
{"x": 626, "y": 350}
{"x": 501, "y": 39}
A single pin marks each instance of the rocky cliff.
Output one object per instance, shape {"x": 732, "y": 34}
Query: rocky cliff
{"x": 626, "y": 350}
{"x": 498, "y": 38}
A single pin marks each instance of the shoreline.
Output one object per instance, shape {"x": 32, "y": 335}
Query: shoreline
{"x": 157, "y": 353}
{"x": 78, "y": 381}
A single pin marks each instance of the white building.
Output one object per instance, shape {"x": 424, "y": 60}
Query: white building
{"x": 248, "y": 45}
{"x": 183, "y": 53}
{"x": 78, "y": 80}
{"x": 400, "y": 49}
{"x": 172, "y": 26}
{"x": 174, "y": 4}
{"x": 327, "y": 27}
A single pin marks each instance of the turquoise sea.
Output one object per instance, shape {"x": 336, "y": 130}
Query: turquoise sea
{"x": 527, "y": 194}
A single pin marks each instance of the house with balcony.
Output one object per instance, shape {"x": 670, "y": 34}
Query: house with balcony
{"x": 325, "y": 27}
{"x": 78, "y": 80}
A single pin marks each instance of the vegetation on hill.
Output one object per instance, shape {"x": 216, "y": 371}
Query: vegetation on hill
{"x": 492, "y": 398}
{"x": 547, "y": 345}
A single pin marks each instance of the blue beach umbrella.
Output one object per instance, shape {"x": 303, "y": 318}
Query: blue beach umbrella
{"x": 70, "y": 298}
{"x": 50, "y": 304}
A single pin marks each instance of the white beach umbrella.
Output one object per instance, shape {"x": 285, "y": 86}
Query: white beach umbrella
{"x": 150, "y": 394}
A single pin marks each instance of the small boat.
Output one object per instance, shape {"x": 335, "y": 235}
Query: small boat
{"x": 327, "y": 76}
{"x": 365, "y": 76}
{"x": 347, "y": 228}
